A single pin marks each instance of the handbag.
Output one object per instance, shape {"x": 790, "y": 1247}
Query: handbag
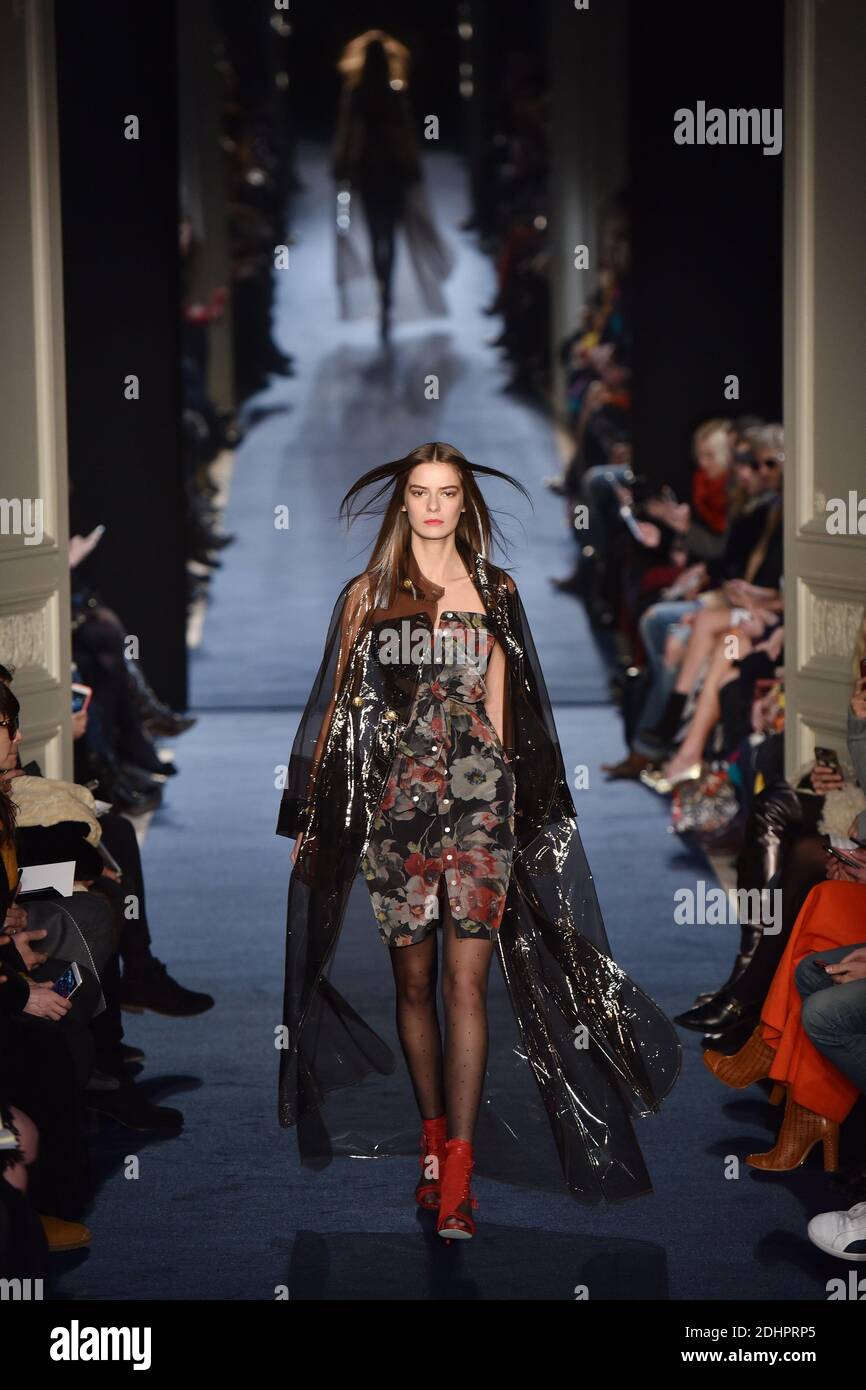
{"x": 706, "y": 807}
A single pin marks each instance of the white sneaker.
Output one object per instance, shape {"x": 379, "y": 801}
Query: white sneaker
{"x": 841, "y": 1233}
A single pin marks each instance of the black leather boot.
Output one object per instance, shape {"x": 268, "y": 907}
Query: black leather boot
{"x": 749, "y": 938}
{"x": 719, "y": 1016}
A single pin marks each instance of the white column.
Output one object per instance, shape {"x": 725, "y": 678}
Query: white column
{"x": 34, "y": 577}
{"x": 825, "y": 398}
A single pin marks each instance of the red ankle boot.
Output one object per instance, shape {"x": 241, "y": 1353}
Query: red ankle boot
{"x": 456, "y": 1205}
{"x": 428, "y": 1190}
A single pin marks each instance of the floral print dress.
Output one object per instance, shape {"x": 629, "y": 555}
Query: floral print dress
{"x": 448, "y": 806}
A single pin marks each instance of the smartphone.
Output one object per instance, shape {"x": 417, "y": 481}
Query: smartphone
{"x": 828, "y": 757}
{"x": 842, "y": 857}
{"x": 81, "y": 696}
{"x": 67, "y": 983}
{"x": 863, "y": 668}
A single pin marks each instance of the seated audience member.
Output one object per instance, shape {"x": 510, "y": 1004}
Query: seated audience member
{"x": 68, "y": 929}
{"x": 44, "y": 1056}
{"x": 664, "y": 626}
{"x": 117, "y": 751}
{"x": 811, "y": 1040}
{"x": 748, "y": 609}
{"x": 794, "y": 859}
{"x": 53, "y": 817}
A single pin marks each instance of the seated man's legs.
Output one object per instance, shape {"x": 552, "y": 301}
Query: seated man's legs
{"x": 655, "y": 627}
{"x": 834, "y": 1014}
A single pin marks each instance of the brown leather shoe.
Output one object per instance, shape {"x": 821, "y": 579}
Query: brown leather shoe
{"x": 751, "y": 1063}
{"x": 629, "y": 769}
{"x": 64, "y": 1235}
{"x": 801, "y": 1130}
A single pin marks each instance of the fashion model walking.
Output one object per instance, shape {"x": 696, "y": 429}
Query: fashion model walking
{"x": 427, "y": 758}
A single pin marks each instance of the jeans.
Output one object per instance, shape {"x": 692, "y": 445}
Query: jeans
{"x": 834, "y": 1015}
{"x": 655, "y": 626}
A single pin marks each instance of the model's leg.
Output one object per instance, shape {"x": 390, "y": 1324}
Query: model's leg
{"x": 381, "y": 223}
{"x": 415, "y": 973}
{"x": 466, "y": 970}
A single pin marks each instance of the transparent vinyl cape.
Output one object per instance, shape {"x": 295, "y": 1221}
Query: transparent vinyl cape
{"x": 599, "y": 1050}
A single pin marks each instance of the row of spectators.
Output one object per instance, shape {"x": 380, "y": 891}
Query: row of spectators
{"x": 689, "y": 596}
{"x": 798, "y": 982}
{"x": 63, "y": 1056}
{"x": 515, "y": 223}
{"x": 71, "y": 963}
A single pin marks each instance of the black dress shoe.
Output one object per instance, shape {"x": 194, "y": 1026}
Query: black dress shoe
{"x": 149, "y": 986}
{"x": 170, "y": 725}
{"x": 142, "y": 782}
{"x": 129, "y": 1107}
{"x": 123, "y": 796}
{"x": 718, "y": 1016}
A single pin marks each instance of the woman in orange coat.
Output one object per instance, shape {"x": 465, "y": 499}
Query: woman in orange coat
{"x": 818, "y": 996}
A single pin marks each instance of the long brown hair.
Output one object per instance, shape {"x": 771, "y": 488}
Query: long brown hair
{"x": 476, "y": 528}
{"x": 9, "y": 707}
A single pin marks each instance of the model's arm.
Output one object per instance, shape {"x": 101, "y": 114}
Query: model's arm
{"x": 494, "y": 680}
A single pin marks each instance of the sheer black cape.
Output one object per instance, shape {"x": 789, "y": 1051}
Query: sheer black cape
{"x": 600, "y": 1049}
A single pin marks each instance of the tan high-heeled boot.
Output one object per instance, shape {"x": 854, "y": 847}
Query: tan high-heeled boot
{"x": 751, "y": 1063}
{"x": 801, "y": 1130}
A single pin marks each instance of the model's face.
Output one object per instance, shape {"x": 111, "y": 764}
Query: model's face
{"x": 433, "y": 499}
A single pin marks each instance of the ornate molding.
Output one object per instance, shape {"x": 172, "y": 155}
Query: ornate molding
{"x": 24, "y": 638}
{"x": 830, "y": 616}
